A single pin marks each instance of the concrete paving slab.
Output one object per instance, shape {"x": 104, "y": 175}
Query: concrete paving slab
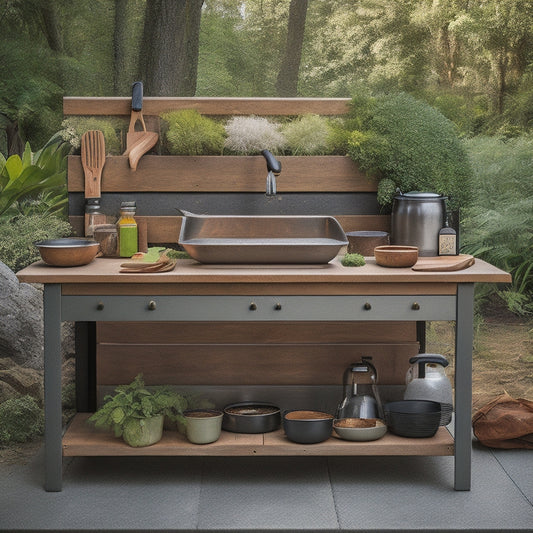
{"x": 105, "y": 494}
{"x": 416, "y": 493}
{"x": 518, "y": 464}
{"x": 270, "y": 494}
{"x": 279, "y": 493}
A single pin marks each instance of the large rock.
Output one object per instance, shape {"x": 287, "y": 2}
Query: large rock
{"x": 18, "y": 381}
{"x": 21, "y": 326}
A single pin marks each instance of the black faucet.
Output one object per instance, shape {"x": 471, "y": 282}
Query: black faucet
{"x": 274, "y": 169}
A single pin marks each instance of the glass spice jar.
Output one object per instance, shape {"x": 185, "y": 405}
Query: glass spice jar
{"x": 127, "y": 230}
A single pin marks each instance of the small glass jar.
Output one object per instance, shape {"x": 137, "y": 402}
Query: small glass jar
{"x": 127, "y": 230}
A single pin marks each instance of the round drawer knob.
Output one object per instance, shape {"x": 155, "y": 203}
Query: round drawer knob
{"x": 100, "y": 306}
{"x": 253, "y": 306}
{"x": 367, "y": 306}
{"x": 277, "y": 307}
{"x": 152, "y": 305}
{"x": 415, "y": 306}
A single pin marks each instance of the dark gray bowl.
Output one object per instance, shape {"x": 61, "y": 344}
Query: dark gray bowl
{"x": 307, "y": 427}
{"x": 413, "y": 418}
{"x": 251, "y": 417}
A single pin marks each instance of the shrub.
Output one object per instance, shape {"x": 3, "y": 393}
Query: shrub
{"x": 74, "y": 127}
{"x": 411, "y": 144}
{"x": 188, "y": 132}
{"x": 250, "y": 135}
{"x": 498, "y": 226}
{"x": 307, "y": 135}
{"x": 17, "y": 235}
{"x": 21, "y": 419}
{"x": 24, "y": 178}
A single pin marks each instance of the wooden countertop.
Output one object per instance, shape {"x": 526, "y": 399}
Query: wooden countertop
{"x": 106, "y": 270}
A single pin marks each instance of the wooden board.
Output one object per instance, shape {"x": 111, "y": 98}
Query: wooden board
{"x": 247, "y": 364}
{"x": 81, "y": 439}
{"x": 157, "y": 173}
{"x": 444, "y": 263}
{"x": 255, "y": 332}
{"x": 73, "y": 105}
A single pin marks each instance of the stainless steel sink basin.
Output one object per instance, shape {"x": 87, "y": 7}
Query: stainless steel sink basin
{"x": 228, "y": 239}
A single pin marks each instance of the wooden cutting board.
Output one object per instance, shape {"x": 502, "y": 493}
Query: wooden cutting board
{"x": 444, "y": 263}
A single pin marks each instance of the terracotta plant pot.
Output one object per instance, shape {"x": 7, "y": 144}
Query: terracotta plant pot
{"x": 139, "y": 432}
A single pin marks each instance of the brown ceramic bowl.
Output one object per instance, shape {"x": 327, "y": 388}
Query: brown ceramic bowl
{"x": 396, "y": 255}
{"x": 364, "y": 242}
{"x": 67, "y": 252}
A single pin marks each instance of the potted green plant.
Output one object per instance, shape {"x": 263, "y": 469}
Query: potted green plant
{"x": 136, "y": 413}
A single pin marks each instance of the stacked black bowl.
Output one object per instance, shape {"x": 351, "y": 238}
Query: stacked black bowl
{"x": 413, "y": 418}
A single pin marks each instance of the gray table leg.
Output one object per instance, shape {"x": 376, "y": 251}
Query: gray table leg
{"x": 52, "y": 388}
{"x": 463, "y": 385}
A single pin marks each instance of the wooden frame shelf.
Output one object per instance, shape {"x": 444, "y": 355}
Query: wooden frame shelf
{"x": 82, "y": 439}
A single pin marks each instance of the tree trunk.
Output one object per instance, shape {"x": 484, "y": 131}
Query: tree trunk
{"x": 287, "y": 81}
{"x": 14, "y": 140}
{"x": 119, "y": 48}
{"x": 169, "y": 54}
{"x": 51, "y": 27}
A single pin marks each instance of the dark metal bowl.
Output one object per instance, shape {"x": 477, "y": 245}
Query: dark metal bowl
{"x": 413, "y": 418}
{"x": 307, "y": 427}
{"x": 251, "y": 417}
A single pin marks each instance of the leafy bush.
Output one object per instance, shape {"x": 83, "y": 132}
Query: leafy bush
{"x": 499, "y": 226}
{"x": 21, "y": 419}
{"x": 34, "y": 173}
{"x": 307, "y": 135}
{"x": 18, "y": 233}
{"x": 188, "y": 132}
{"x": 410, "y": 143}
{"x": 134, "y": 401}
{"x": 250, "y": 135}
{"x": 74, "y": 127}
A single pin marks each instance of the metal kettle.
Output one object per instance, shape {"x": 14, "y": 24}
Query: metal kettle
{"x": 426, "y": 380}
{"x": 361, "y": 395}
{"x": 416, "y": 219}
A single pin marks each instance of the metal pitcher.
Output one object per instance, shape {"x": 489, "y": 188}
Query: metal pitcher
{"x": 417, "y": 218}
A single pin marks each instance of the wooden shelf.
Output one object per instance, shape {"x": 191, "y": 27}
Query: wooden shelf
{"x": 81, "y": 439}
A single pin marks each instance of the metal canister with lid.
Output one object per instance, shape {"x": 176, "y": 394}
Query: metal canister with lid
{"x": 417, "y": 218}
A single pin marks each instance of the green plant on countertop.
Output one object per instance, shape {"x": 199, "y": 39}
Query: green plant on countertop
{"x": 353, "y": 260}
{"x": 307, "y": 135}
{"x": 74, "y": 127}
{"x": 24, "y": 178}
{"x": 130, "y": 409}
{"x": 250, "y": 135}
{"x": 187, "y": 132}
{"x": 21, "y": 420}
{"x": 19, "y": 232}
{"x": 408, "y": 144}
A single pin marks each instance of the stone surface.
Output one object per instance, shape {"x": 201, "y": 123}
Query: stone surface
{"x": 21, "y": 327}
{"x": 24, "y": 381}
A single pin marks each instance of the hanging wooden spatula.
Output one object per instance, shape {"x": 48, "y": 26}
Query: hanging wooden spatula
{"x": 138, "y": 142}
{"x": 93, "y": 161}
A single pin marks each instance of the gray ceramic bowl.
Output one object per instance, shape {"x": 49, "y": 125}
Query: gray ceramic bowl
{"x": 359, "y": 429}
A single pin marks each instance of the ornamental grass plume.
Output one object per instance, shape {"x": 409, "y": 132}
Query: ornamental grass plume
{"x": 307, "y": 135}
{"x": 250, "y": 135}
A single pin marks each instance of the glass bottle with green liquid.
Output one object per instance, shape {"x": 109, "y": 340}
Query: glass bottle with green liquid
{"x": 127, "y": 230}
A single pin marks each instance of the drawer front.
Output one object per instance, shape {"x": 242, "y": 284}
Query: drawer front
{"x": 267, "y": 308}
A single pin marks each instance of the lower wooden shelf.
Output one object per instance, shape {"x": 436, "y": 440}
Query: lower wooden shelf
{"x": 82, "y": 439}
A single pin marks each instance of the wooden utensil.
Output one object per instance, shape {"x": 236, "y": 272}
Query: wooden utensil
{"x": 138, "y": 142}
{"x": 444, "y": 263}
{"x": 93, "y": 161}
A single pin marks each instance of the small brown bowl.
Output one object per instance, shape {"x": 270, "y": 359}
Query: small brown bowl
{"x": 396, "y": 255}
{"x": 67, "y": 252}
